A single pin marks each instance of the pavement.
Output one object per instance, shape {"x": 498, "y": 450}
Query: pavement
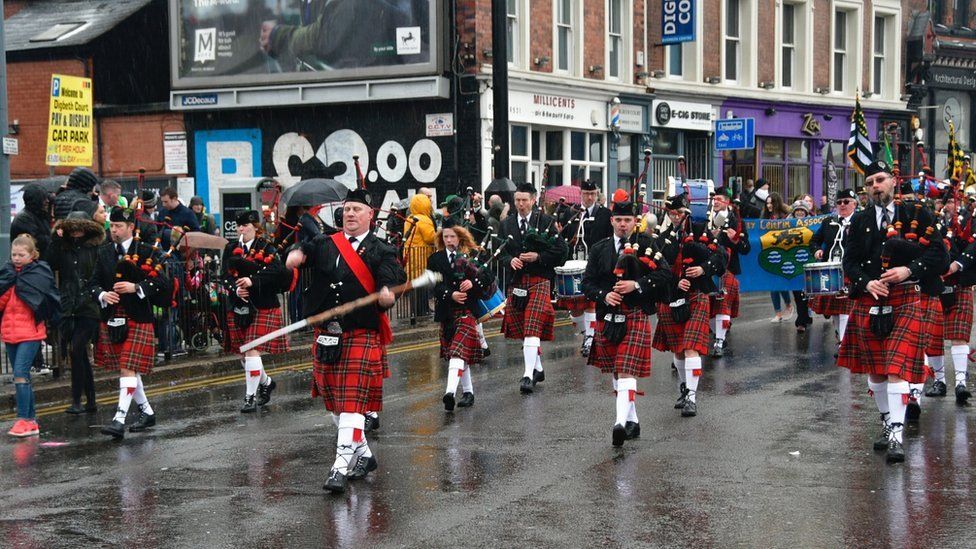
{"x": 778, "y": 456}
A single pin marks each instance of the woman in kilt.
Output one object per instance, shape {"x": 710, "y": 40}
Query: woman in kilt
{"x": 682, "y": 328}
{"x": 254, "y": 276}
{"x": 624, "y": 289}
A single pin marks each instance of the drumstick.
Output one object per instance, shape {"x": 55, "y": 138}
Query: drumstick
{"x": 428, "y": 278}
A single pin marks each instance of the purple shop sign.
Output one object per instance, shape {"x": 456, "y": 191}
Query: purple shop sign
{"x": 799, "y": 121}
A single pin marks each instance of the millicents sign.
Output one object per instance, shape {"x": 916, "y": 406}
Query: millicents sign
{"x": 677, "y": 21}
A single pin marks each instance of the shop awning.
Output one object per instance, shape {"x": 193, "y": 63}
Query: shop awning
{"x": 60, "y": 23}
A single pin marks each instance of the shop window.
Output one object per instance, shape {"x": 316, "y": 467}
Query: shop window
{"x": 625, "y": 156}
{"x": 554, "y": 144}
{"x": 577, "y": 142}
{"x": 772, "y": 150}
{"x": 520, "y": 141}
{"x": 520, "y": 171}
{"x": 596, "y": 145}
{"x": 797, "y": 150}
{"x": 666, "y": 143}
{"x": 786, "y": 165}
{"x": 536, "y": 155}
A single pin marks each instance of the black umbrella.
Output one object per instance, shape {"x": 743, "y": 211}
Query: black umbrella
{"x": 501, "y": 185}
{"x": 312, "y": 192}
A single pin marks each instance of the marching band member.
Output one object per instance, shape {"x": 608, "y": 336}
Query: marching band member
{"x": 532, "y": 249}
{"x": 682, "y": 326}
{"x": 253, "y": 271}
{"x": 893, "y": 253}
{"x": 349, "y": 354}
{"x": 837, "y": 308}
{"x": 627, "y": 288}
{"x": 128, "y": 279}
{"x": 726, "y": 226}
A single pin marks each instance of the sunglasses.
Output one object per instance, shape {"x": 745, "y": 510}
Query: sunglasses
{"x": 845, "y": 201}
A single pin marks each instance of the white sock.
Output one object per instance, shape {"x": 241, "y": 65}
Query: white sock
{"x": 626, "y": 389}
{"x": 712, "y": 323}
{"x": 348, "y": 441}
{"x": 679, "y": 363}
{"x": 589, "y": 318}
{"x": 466, "y": 386}
{"x": 960, "y": 363}
{"x": 896, "y": 403}
{"x": 937, "y": 363}
{"x": 538, "y": 361}
{"x": 580, "y": 322}
{"x": 692, "y": 373}
{"x": 880, "y": 393}
{"x": 127, "y": 388}
{"x": 140, "y": 397}
{"x": 530, "y": 353}
{"x": 265, "y": 378}
{"x": 842, "y": 326}
{"x": 455, "y": 365}
{"x": 614, "y": 381}
{"x": 335, "y": 419}
{"x": 915, "y": 390}
{"x": 481, "y": 335}
{"x": 722, "y": 322}
{"x": 252, "y": 374}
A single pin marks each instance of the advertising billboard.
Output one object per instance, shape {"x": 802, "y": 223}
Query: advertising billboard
{"x": 260, "y": 42}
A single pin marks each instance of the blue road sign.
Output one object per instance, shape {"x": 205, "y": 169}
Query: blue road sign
{"x": 735, "y": 133}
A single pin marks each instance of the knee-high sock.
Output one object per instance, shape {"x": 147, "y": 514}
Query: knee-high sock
{"x": 466, "y": 385}
{"x": 937, "y": 363}
{"x": 693, "y": 371}
{"x": 897, "y": 402}
{"x": 722, "y": 323}
{"x": 455, "y": 365}
{"x": 879, "y": 391}
{"x": 252, "y": 374}
{"x": 350, "y": 432}
{"x": 481, "y": 335}
{"x": 626, "y": 392}
{"x": 960, "y": 362}
{"x": 127, "y": 388}
{"x": 335, "y": 419}
{"x": 530, "y": 353}
{"x": 538, "y": 360}
{"x": 580, "y": 322}
{"x": 589, "y": 318}
{"x": 265, "y": 378}
{"x": 915, "y": 391}
{"x": 140, "y": 397}
{"x": 679, "y": 363}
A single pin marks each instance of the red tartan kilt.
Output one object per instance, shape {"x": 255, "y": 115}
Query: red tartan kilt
{"x": 465, "y": 344}
{"x": 354, "y": 384}
{"x": 538, "y": 317}
{"x": 265, "y": 321}
{"x": 576, "y": 305}
{"x": 693, "y": 335}
{"x": 932, "y": 321}
{"x": 729, "y": 304}
{"x": 830, "y": 305}
{"x": 901, "y": 353}
{"x": 632, "y": 356}
{"x": 137, "y": 353}
{"x": 959, "y": 317}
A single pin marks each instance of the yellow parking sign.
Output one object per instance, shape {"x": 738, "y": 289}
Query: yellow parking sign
{"x": 70, "y": 125}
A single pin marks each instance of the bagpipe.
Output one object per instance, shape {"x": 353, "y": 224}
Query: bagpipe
{"x": 136, "y": 269}
{"x": 245, "y": 265}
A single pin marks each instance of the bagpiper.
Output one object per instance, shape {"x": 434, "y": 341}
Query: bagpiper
{"x": 726, "y": 226}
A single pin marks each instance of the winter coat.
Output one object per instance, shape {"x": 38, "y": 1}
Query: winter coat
{"x": 180, "y": 216}
{"x": 74, "y": 261}
{"x": 17, "y": 323}
{"x": 419, "y": 235}
{"x": 32, "y": 301}
{"x": 34, "y": 219}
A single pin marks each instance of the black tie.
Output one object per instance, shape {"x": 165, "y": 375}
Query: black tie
{"x": 450, "y": 258}
{"x": 620, "y": 246}
{"x": 525, "y": 225}
{"x": 244, "y": 247}
{"x": 885, "y": 219}
{"x": 353, "y": 240}
{"x": 119, "y": 250}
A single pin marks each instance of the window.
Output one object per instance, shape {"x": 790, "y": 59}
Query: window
{"x": 840, "y": 50}
{"x": 788, "y": 45}
{"x": 564, "y": 35}
{"x": 961, "y": 18}
{"x": 879, "y": 56}
{"x": 786, "y": 164}
{"x": 733, "y": 40}
{"x": 675, "y": 60}
{"x": 512, "y": 24}
{"x": 520, "y": 153}
{"x": 615, "y": 39}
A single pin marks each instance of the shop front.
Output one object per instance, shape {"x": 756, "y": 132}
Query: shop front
{"x": 680, "y": 129}
{"x": 951, "y": 97}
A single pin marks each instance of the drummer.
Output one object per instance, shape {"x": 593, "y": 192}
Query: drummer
{"x": 595, "y": 220}
{"x": 727, "y": 227}
{"x": 831, "y": 237}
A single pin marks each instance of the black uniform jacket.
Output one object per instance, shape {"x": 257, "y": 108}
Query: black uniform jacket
{"x": 549, "y": 258}
{"x": 742, "y": 247}
{"x": 157, "y": 290}
{"x": 333, "y": 282}
{"x": 266, "y": 283}
{"x": 862, "y": 257}
{"x": 595, "y": 227}
{"x": 598, "y": 279}
{"x": 446, "y": 306}
{"x": 712, "y": 261}
{"x": 825, "y": 236}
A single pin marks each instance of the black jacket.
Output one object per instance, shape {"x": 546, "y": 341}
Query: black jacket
{"x": 862, "y": 257}
{"x": 712, "y": 261}
{"x": 595, "y": 227}
{"x": 74, "y": 261}
{"x": 735, "y": 249}
{"x": 157, "y": 290}
{"x": 148, "y": 229}
{"x": 180, "y": 216}
{"x": 325, "y": 290}
{"x": 65, "y": 200}
{"x": 450, "y": 283}
{"x": 549, "y": 258}
{"x": 825, "y": 236}
{"x": 34, "y": 285}
{"x": 269, "y": 280}
{"x": 599, "y": 278}
{"x": 34, "y": 219}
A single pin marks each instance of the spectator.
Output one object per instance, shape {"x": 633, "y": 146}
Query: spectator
{"x": 497, "y": 212}
{"x": 776, "y": 209}
{"x": 176, "y": 217}
{"x": 74, "y": 251}
{"x": 80, "y": 184}
{"x": 824, "y": 206}
{"x": 753, "y": 200}
{"x": 146, "y": 219}
{"x": 35, "y": 218}
{"x": 205, "y": 220}
{"x": 110, "y": 195}
{"x": 419, "y": 235}
{"x": 801, "y": 208}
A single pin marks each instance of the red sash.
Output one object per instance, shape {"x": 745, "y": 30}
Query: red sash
{"x": 365, "y": 278}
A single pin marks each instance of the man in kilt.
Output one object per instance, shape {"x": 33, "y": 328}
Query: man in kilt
{"x": 632, "y": 295}
{"x": 957, "y": 298}
{"x": 349, "y": 354}
{"x": 126, "y": 342}
{"x": 889, "y": 261}
{"x": 532, "y": 249}
{"x": 255, "y": 275}
{"x": 836, "y": 307}
{"x": 727, "y": 228}
{"x": 695, "y": 258}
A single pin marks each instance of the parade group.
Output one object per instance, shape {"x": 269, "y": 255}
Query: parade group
{"x": 907, "y": 273}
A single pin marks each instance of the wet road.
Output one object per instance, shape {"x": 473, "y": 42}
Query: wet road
{"x": 779, "y": 456}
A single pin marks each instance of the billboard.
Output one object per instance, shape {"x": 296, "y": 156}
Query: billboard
{"x": 259, "y": 42}
{"x": 69, "y": 129}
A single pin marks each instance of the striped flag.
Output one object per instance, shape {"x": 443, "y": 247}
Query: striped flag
{"x": 859, "y": 148}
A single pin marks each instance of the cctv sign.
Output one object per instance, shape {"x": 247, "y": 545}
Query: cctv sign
{"x": 677, "y": 21}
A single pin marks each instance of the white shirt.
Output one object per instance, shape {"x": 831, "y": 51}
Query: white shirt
{"x": 616, "y": 243}
{"x": 247, "y": 244}
{"x": 878, "y": 213}
{"x": 355, "y": 245}
{"x": 139, "y": 292}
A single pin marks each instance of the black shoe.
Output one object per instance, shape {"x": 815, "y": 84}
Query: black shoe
{"x": 538, "y": 376}
{"x": 467, "y": 399}
{"x": 690, "y": 409}
{"x": 882, "y": 442}
{"x": 680, "y": 403}
{"x": 632, "y": 429}
{"x": 336, "y": 482}
{"x": 912, "y": 412}
{"x": 526, "y": 386}
{"x": 115, "y": 429}
{"x": 718, "y": 350}
{"x": 143, "y": 422}
{"x": 264, "y": 392}
{"x": 619, "y": 435}
{"x": 75, "y": 409}
{"x": 486, "y": 352}
{"x": 896, "y": 452}
{"x": 937, "y": 389}
{"x": 962, "y": 395}
{"x": 364, "y": 466}
{"x": 249, "y": 405}
{"x": 448, "y": 401}
{"x": 372, "y": 423}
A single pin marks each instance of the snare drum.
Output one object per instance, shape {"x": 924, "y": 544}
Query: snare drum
{"x": 569, "y": 279}
{"x": 484, "y": 309}
{"x": 825, "y": 278}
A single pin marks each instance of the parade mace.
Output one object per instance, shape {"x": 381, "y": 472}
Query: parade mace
{"x": 428, "y": 278}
